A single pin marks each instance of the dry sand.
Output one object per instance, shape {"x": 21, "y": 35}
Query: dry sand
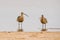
{"x": 29, "y": 35}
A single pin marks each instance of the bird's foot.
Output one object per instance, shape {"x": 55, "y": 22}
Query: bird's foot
{"x": 20, "y": 30}
{"x": 44, "y": 30}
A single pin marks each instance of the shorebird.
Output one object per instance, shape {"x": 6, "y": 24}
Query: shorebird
{"x": 43, "y": 20}
{"x": 20, "y": 19}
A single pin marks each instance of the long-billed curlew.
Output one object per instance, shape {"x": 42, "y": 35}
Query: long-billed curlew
{"x": 43, "y": 20}
{"x": 20, "y": 19}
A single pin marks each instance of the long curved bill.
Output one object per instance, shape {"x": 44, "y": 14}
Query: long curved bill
{"x": 26, "y": 15}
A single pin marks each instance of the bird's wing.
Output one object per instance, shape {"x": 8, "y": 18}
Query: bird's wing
{"x": 18, "y": 18}
{"x": 46, "y": 20}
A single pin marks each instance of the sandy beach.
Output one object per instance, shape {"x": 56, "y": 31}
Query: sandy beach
{"x": 29, "y": 35}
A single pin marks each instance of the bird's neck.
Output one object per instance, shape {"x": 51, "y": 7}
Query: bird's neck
{"x": 42, "y": 17}
{"x": 21, "y": 15}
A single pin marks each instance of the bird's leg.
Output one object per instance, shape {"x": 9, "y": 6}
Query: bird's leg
{"x": 45, "y": 26}
{"x": 42, "y": 26}
{"x": 21, "y": 25}
{"x": 18, "y": 25}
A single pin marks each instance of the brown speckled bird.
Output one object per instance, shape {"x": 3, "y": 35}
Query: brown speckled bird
{"x": 20, "y": 19}
{"x": 43, "y": 20}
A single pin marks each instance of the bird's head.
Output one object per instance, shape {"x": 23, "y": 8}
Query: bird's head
{"x": 42, "y": 15}
{"x": 24, "y": 14}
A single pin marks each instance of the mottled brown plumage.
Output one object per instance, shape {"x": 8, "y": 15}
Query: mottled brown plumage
{"x": 20, "y": 19}
{"x": 43, "y": 20}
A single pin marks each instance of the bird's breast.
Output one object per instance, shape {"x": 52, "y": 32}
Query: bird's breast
{"x": 20, "y": 19}
{"x": 43, "y": 21}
